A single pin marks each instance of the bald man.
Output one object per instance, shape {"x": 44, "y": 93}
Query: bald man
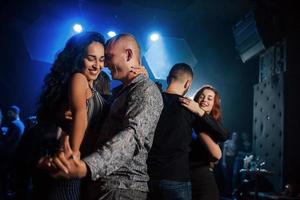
{"x": 119, "y": 163}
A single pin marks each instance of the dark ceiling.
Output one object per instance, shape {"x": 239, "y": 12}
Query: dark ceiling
{"x": 183, "y": 12}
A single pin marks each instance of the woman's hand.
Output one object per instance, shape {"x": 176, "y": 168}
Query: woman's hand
{"x": 139, "y": 70}
{"x": 46, "y": 163}
{"x": 68, "y": 162}
{"x": 192, "y": 106}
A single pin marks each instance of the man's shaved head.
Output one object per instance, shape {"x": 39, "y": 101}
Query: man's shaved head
{"x": 126, "y": 41}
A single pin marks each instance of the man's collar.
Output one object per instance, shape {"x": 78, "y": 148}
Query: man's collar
{"x": 119, "y": 89}
{"x": 136, "y": 79}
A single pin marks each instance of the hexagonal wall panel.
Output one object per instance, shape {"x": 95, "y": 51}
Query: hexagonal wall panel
{"x": 166, "y": 52}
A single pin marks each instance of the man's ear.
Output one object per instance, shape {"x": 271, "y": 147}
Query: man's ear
{"x": 129, "y": 54}
{"x": 187, "y": 84}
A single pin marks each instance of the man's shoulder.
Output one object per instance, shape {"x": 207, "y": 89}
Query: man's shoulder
{"x": 143, "y": 81}
{"x": 174, "y": 109}
{"x": 146, "y": 85}
{"x": 17, "y": 123}
{"x": 146, "y": 91}
{"x": 172, "y": 100}
{"x": 16, "y": 126}
{"x": 170, "y": 97}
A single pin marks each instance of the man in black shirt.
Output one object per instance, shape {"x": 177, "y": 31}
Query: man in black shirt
{"x": 168, "y": 160}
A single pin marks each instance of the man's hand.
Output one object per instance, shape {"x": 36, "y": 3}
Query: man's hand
{"x": 192, "y": 106}
{"x": 68, "y": 163}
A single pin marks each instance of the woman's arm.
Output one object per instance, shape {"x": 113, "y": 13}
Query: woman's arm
{"x": 191, "y": 105}
{"x": 214, "y": 128}
{"x": 78, "y": 96}
{"x": 212, "y": 147}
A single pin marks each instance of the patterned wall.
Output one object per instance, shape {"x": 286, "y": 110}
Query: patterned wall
{"x": 268, "y": 126}
{"x": 268, "y": 113}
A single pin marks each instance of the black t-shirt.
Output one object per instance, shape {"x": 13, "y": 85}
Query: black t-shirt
{"x": 199, "y": 155}
{"x": 169, "y": 155}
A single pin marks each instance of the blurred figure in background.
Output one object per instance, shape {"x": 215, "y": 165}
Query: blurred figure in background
{"x": 15, "y": 130}
{"x": 244, "y": 149}
{"x": 1, "y": 118}
{"x": 8, "y": 144}
{"x": 230, "y": 150}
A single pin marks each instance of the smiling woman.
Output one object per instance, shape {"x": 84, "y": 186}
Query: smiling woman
{"x": 69, "y": 87}
{"x": 205, "y": 151}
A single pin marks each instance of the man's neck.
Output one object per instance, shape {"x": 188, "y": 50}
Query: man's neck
{"x": 129, "y": 78}
{"x": 172, "y": 89}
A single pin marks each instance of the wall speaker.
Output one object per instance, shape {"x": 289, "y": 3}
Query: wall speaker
{"x": 248, "y": 42}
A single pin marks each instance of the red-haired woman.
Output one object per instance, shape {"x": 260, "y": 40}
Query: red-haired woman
{"x": 204, "y": 147}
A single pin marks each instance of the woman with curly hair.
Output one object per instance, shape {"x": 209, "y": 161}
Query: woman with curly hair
{"x": 70, "y": 86}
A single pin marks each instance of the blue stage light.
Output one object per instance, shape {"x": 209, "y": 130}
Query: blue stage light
{"x": 77, "y": 28}
{"x": 111, "y": 34}
{"x": 154, "y": 37}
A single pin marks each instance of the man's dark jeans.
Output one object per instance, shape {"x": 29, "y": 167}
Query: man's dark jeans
{"x": 169, "y": 190}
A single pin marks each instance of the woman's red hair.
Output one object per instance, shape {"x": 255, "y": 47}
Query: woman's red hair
{"x": 216, "y": 109}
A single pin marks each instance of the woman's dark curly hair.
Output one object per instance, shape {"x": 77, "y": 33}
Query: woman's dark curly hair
{"x": 68, "y": 61}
